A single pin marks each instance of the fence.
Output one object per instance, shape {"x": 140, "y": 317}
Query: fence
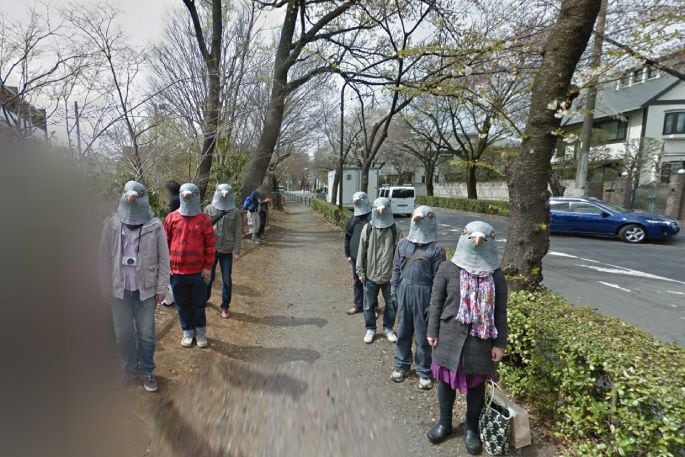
{"x": 299, "y": 197}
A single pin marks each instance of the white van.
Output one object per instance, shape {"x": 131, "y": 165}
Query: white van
{"x": 403, "y": 199}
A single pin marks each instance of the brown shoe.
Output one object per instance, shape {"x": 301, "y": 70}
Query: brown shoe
{"x": 354, "y": 310}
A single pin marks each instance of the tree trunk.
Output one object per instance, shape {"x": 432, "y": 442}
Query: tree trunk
{"x": 430, "y": 171}
{"x": 471, "y": 187}
{"x": 259, "y": 161}
{"x": 528, "y": 173}
{"x": 364, "y": 178}
{"x": 334, "y": 190}
{"x": 556, "y": 186}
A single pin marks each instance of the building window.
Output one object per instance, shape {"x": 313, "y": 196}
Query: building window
{"x": 637, "y": 76}
{"x": 652, "y": 73}
{"x": 423, "y": 179}
{"x": 625, "y": 80}
{"x": 615, "y": 129}
{"x": 348, "y": 177}
{"x": 436, "y": 178}
{"x": 674, "y": 123}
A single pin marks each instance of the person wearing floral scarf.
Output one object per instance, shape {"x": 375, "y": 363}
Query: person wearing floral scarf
{"x": 467, "y": 329}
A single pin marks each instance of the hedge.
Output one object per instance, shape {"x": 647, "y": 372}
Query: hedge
{"x": 496, "y": 207}
{"x": 331, "y": 212}
{"x": 608, "y": 387}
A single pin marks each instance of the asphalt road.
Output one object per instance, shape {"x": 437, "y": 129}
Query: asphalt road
{"x": 642, "y": 284}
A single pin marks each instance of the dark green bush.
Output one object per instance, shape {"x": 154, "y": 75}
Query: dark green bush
{"x": 331, "y": 212}
{"x": 496, "y": 207}
{"x": 608, "y": 387}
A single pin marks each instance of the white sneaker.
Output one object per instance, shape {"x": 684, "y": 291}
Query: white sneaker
{"x": 187, "y": 341}
{"x": 368, "y": 338}
{"x": 390, "y": 335}
{"x": 398, "y": 376}
{"x": 201, "y": 341}
{"x": 425, "y": 383}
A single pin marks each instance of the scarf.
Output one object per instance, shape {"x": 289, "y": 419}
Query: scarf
{"x": 477, "y": 303}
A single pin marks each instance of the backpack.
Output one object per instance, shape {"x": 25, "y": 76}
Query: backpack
{"x": 247, "y": 203}
{"x": 368, "y": 227}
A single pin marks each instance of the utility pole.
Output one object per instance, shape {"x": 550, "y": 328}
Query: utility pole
{"x": 342, "y": 146}
{"x": 78, "y": 128}
{"x": 586, "y": 132}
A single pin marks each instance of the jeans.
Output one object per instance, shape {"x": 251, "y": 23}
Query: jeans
{"x": 357, "y": 286}
{"x": 190, "y": 292}
{"x": 371, "y": 303}
{"x": 225, "y": 261}
{"x": 254, "y": 228}
{"x": 262, "y": 224}
{"x": 134, "y": 327}
{"x": 413, "y": 323}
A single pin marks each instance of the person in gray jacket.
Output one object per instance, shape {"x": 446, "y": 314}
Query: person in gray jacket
{"x": 374, "y": 267}
{"x": 416, "y": 263}
{"x": 228, "y": 227}
{"x": 133, "y": 273}
{"x": 467, "y": 329}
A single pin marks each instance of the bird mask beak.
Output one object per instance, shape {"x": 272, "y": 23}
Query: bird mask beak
{"x": 380, "y": 209}
{"x": 186, "y": 195}
{"x": 478, "y": 238}
{"x": 355, "y": 201}
{"x": 224, "y": 193}
{"x": 131, "y": 196}
{"x": 417, "y": 218}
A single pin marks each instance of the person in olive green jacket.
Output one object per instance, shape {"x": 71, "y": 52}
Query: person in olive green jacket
{"x": 229, "y": 232}
{"x": 374, "y": 266}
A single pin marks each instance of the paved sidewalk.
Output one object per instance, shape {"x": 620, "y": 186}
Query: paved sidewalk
{"x": 290, "y": 297}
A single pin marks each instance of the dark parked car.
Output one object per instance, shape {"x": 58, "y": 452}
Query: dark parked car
{"x": 590, "y": 216}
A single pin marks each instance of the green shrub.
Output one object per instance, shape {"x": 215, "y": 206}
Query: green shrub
{"x": 496, "y": 207}
{"x": 609, "y": 388}
{"x": 331, "y": 212}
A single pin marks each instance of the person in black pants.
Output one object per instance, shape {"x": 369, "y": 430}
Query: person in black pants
{"x": 467, "y": 329}
{"x": 262, "y": 209}
{"x": 353, "y": 231}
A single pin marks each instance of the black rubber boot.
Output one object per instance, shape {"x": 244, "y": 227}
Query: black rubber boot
{"x": 443, "y": 429}
{"x": 475, "y": 400}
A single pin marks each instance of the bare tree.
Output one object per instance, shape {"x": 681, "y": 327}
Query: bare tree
{"x": 528, "y": 173}
{"x": 37, "y": 60}
{"x": 211, "y": 56}
{"x": 306, "y": 24}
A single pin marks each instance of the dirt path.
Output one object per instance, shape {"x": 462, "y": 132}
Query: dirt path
{"x": 290, "y": 295}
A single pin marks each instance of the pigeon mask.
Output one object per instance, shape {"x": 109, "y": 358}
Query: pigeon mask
{"x": 224, "y": 198}
{"x": 424, "y": 226}
{"x": 134, "y": 205}
{"x": 476, "y": 251}
{"x": 190, "y": 200}
{"x": 361, "y": 203}
{"x": 381, "y": 214}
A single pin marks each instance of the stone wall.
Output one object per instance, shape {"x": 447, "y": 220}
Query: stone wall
{"x": 491, "y": 190}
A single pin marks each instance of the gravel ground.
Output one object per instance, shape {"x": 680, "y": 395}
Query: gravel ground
{"x": 290, "y": 297}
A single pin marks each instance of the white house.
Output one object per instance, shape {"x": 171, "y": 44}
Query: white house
{"x": 17, "y": 115}
{"x": 642, "y": 103}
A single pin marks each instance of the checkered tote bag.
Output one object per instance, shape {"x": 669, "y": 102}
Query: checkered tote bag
{"x": 495, "y": 423}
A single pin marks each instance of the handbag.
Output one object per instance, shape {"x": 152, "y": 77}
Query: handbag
{"x": 520, "y": 424}
{"x": 495, "y": 422}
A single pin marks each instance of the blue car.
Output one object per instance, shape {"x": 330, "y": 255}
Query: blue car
{"x": 590, "y": 216}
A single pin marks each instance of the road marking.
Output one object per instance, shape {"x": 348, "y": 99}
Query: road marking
{"x": 501, "y": 240}
{"x": 628, "y": 272}
{"x": 674, "y": 292}
{"x": 615, "y": 286}
{"x": 614, "y": 269}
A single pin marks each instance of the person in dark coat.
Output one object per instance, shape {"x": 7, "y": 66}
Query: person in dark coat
{"x": 417, "y": 259}
{"x": 467, "y": 329}
{"x": 173, "y": 188}
{"x": 353, "y": 230}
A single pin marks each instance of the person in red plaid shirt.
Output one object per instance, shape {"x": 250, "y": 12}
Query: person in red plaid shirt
{"x": 192, "y": 245}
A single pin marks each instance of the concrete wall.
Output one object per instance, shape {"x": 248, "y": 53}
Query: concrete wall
{"x": 493, "y": 190}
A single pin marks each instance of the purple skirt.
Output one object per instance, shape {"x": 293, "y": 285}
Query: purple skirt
{"x": 459, "y": 381}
